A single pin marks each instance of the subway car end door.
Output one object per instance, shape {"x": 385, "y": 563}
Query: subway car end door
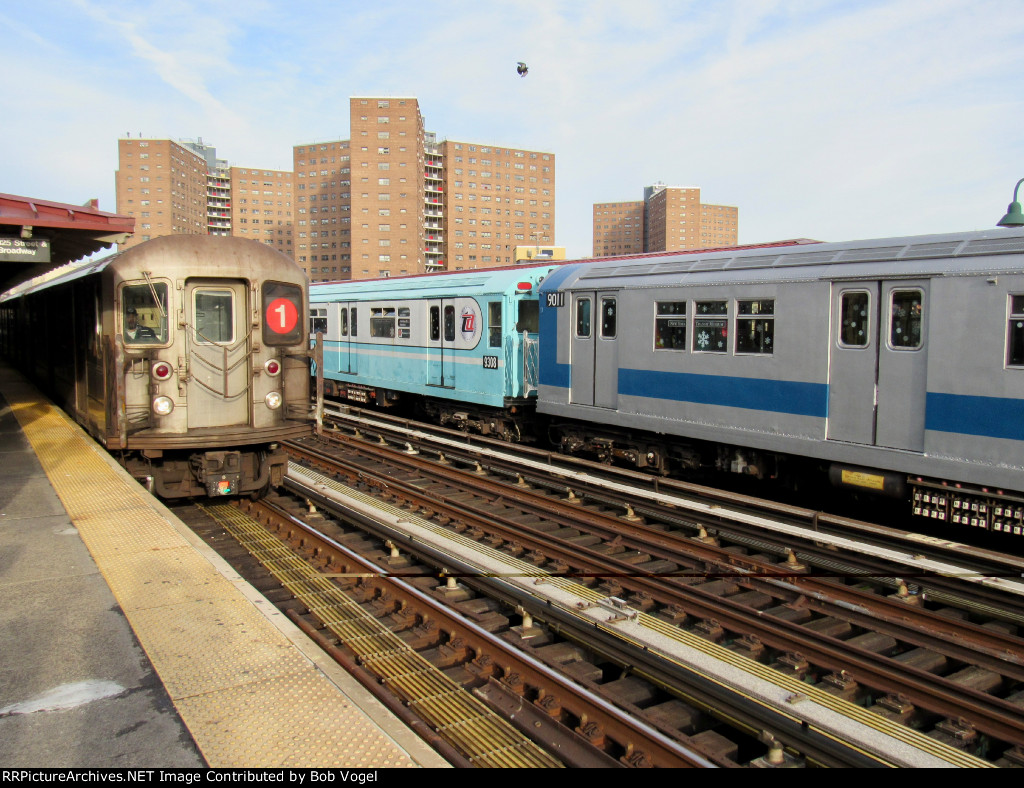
{"x": 217, "y": 342}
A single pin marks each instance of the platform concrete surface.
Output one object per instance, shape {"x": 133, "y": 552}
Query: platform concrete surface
{"x": 76, "y": 689}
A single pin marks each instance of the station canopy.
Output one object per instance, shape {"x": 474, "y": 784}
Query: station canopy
{"x": 37, "y": 236}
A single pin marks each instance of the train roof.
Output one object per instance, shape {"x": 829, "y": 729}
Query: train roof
{"x": 951, "y": 253}
{"x": 476, "y": 280}
{"x": 152, "y": 254}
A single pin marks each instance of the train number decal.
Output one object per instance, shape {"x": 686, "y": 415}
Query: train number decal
{"x": 554, "y": 300}
{"x": 490, "y": 362}
{"x": 281, "y": 316}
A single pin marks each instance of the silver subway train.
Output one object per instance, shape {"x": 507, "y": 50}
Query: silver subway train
{"x": 896, "y": 364}
{"x": 186, "y": 357}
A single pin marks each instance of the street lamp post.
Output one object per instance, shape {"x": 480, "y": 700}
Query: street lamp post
{"x": 1014, "y": 217}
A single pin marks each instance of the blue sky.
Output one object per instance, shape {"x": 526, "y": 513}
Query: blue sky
{"x": 827, "y": 120}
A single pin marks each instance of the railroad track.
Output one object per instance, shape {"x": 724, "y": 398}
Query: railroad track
{"x": 907, "y": 688}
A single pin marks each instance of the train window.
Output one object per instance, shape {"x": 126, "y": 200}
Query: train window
{"x": 711, "y": 327}
{"x": 670, "y": 325}
{"x": 583, "y": 318}
{"x": 318, "y": 320}
{"x": 905, "y": 319}
{"x": 1015, "y": 333}
{"x": 213, "y": 316}
{"x": 435, "y": 323}
{"x": 529, "y": 317}
{"x": 353, "y": 323}
{"x": 282, "y": 313}
{"x": 494, "y": 324}
{"x": 608, "y": 318}
{"x": 382, "y": 322}
{"x": 144, "y": 321}
{"x": 344, "y": 322}
{"x": 449, "y": 324}
{"x": 854, "y": 324}
{"x": 755, "y": 326}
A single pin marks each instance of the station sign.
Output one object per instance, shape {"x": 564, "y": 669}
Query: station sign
{"x": 24, "y": 250}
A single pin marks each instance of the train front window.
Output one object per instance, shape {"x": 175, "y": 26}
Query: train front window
{"x": 905, "y": 319}
{"x": 144, "y": 314}
{"x": 854, "y": 324}
{"x": 670, "y": 325}
{"x": 213, "y": 316}
{"x": 1015, "y": 333}
{"x": 282, "y": 313}
{"x": 529, "y": 317}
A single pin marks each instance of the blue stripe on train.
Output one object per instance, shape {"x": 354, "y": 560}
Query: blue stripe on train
{"x": 991, "y": 417}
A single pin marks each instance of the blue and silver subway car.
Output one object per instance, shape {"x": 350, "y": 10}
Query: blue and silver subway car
{"x": 896, "y": 364}
{"x": 462, "y": 345}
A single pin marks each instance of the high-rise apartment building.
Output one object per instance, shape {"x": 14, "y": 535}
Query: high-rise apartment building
{"x": 182, "y": 188}
{"x": 391, "y": 200}
{"x": 388, "y": 187}
{"x": 618, "y": 228}
{"x": 669, "y": 217}
{"x": 163, "y": 184}
{"x": 495, "y": 199}
{"x": 262, "y": 204}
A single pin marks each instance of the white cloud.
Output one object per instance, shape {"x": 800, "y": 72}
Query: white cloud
{"x": 817, "y": 118}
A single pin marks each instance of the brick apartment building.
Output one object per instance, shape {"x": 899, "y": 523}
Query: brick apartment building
{"x": 669, "y": 217}
{"x": 390, "y": 200}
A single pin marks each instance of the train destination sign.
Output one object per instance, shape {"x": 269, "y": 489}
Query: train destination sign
{"x": 25, "y": 250}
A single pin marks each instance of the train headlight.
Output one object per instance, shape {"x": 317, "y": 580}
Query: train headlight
{"x": 162, "y": 406}
{"x": 272, "y": 366}
{"x": 273, "y": 400}
{"x": 161, "y": 370}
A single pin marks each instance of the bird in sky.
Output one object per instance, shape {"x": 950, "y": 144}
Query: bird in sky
{"x": 521, "y": 69}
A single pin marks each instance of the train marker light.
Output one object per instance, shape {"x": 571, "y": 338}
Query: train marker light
{"x": 524, "y": 286}
{"x": 272, "y": 366}
{"x": 162, "y": 406}
{"x": 273, "y": 400}
{"x": 161, "y": 370}
{"x": 1014, "y": 217}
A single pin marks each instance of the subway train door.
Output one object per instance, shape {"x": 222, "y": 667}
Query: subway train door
{"x": 593, "y": 355}
{"x": 878, "y": 363}
{"x": 346, "y": 321}
{"x": 217, "y": 341}
{"x": 441, "y": 328}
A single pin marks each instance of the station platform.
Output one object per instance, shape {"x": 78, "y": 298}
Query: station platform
{"x": 128, "y": 643}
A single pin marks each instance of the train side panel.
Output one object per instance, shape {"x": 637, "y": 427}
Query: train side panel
{"x": 892, "y": 361}
{"x": 467, "y": 337}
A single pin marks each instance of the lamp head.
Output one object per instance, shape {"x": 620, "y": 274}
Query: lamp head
{"x": 1014, "y": 216}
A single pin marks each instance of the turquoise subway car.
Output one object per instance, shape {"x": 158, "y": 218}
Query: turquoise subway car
{"x": 462, "y": 347}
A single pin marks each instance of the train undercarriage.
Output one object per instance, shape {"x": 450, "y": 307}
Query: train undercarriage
{"x": 181, "y": 474}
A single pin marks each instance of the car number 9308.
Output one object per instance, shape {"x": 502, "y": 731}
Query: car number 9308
{"x": 490, "y": 362}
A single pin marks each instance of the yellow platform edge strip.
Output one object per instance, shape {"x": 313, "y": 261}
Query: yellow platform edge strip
{"x": 287, "y": 712}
